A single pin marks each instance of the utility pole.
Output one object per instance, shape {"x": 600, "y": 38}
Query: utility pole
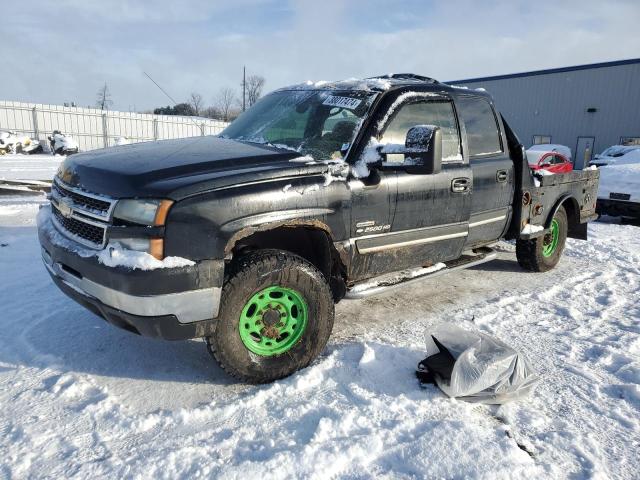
{"x": 244, "y": 87}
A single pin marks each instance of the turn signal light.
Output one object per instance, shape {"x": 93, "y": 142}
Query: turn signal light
{"x": 162, "y": 212}
{"x": 156, "y": 248}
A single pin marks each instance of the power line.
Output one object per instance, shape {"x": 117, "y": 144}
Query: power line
{"x": 201, "y": 127}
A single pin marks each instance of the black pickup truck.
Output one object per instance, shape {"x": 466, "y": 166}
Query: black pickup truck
{"x": 317, "y": 193}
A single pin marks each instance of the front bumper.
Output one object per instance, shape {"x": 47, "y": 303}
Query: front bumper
{"x": 170, "y": 303}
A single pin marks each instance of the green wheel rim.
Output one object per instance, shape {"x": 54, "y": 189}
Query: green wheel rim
{"x": 550, "y": 242}
{"x": 273, "y": 320}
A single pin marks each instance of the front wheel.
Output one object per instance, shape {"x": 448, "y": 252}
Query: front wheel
{"x": 276, "y": 316}
{"x": 543, "y": 253}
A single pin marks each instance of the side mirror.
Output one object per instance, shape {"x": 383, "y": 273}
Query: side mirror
{"x": 421, "y": 152}
{"x": 424, "y": 148}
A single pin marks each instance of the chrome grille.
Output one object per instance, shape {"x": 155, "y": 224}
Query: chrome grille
{"x": 89, "y": 204}
{"x": 80, "y": 215}
{"x": 90, "y": 234}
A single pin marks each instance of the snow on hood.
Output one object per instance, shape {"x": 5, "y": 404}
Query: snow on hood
{"x": 622, "y": 157}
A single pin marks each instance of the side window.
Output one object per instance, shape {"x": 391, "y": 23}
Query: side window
{"x": 483, "y": 137}
{"x": 426, "y": 113}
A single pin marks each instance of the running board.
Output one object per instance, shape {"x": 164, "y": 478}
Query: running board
{"x": 387, "y": 282}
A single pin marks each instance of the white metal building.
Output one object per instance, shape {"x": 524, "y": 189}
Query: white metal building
{"x": 586, "y": 107}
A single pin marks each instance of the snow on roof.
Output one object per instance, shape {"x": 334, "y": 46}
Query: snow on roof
{"x": 551, "y": 147}
{"x": 380, "y": 84}
{"x": 367, "y": 85}
{"x": 376, "y": 84}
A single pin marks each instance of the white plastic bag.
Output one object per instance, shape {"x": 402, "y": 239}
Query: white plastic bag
{"x": 485, "y": 369}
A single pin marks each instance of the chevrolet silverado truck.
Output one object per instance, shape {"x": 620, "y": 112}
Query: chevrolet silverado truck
{"x": 318, "y": 192}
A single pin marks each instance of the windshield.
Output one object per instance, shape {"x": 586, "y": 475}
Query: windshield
{"x": 318, "y": 123}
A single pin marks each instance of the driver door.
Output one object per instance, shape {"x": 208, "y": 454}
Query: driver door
{"x": 430, "y": 219}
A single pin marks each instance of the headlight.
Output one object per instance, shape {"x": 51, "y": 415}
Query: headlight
{"x": 144, "y": 212}
{"x": 137, "y": 244}
{"x": 152, "y": 246}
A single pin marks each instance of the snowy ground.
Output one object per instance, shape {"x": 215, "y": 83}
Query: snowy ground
{"x": 82, "y": 399}
{"x": 39, "y": 166}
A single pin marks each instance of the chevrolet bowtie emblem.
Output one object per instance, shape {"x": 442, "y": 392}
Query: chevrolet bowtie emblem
{"x": 65, "y": 210}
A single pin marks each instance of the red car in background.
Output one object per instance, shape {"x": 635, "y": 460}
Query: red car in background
{"x": 549, "y": 160}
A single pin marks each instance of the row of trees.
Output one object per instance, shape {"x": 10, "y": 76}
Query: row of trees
{"x": 226, "y": 106}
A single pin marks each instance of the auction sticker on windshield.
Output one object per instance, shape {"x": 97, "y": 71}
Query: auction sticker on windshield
{"x": 344, "y": 102}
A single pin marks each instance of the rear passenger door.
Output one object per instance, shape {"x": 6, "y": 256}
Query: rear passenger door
{"x": 493, "y": 175}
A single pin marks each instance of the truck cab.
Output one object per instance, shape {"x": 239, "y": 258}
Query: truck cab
{"x": 319, "y": 192}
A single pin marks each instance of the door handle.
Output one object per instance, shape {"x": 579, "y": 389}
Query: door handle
{"x": 502, "y": 176}
{"x": 460, "y": 185}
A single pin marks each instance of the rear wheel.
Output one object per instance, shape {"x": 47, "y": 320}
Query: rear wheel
{"x": 276, "y": 316}
{"x": 543, "y": 253}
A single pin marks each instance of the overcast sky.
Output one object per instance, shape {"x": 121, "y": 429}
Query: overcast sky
{"x": 64, "y": 50}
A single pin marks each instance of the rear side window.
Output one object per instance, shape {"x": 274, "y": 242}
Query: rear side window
{"x": 483, "y": 137}
{"x": 426, "y": 113}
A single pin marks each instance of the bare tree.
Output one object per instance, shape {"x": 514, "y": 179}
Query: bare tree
{"x": 255, "y": 84}
{"x": 224, "y": 102}
{"x": 103, "y": 100}
{"x": 211, "y": 112}
{"x": 195, "y": 100}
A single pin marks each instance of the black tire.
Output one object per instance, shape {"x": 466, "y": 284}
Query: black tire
{"x": 251, "y": 274}
{"x": 529, "y": 252}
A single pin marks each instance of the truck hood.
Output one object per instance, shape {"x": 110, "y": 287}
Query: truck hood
{"x": 171, "y": 168}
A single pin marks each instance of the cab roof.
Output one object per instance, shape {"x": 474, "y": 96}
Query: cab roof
{"x": 382, "y": 83}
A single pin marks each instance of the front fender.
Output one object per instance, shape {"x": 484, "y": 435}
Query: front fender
{"x": 207, "y": 225}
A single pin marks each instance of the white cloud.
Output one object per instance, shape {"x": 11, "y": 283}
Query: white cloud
{"x": 68, "y": 49}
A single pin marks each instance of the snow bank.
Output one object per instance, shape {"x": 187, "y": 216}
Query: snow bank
{"x": 82, "y": 399}
{"x": 113, "y": 255}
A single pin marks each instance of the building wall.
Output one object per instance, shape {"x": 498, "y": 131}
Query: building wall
{"x": 556, "y": 104}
